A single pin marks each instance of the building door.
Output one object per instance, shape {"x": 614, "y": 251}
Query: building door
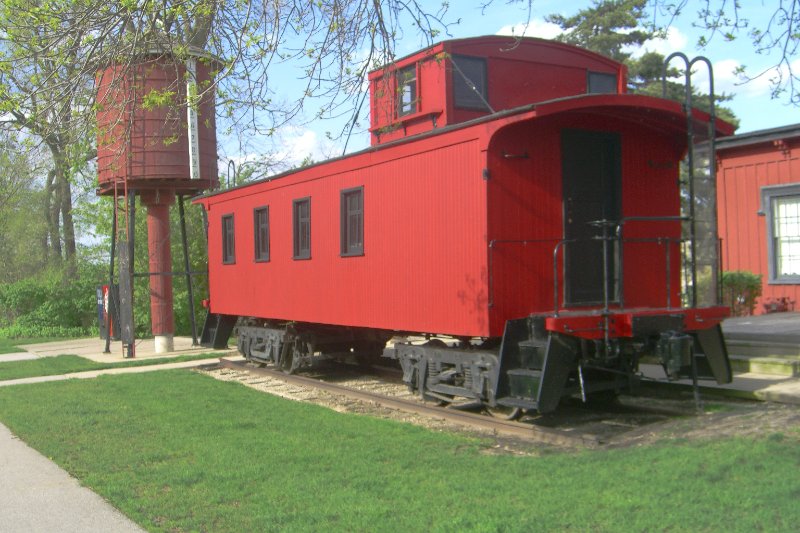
{"x": 591, "y": 182}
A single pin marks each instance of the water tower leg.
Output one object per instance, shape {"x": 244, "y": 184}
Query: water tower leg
{"x": 160, "y": 254}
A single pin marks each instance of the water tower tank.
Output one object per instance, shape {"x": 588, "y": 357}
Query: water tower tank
{"x": 143, "y": 148}
{"x": 142, "y": 126}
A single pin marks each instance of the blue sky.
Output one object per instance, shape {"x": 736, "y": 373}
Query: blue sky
{"x": 752, "y": 102}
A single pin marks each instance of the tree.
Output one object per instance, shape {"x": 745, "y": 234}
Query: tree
{"x": 609, "y": 27}
{"x": 20, "y": 236}
{"x": 615, "y": 28}
{"x": 51, "y": 50}
{"x": 723, "y": 19}
{"x": 333, "y": 42}
{"x": 38, "y": 96}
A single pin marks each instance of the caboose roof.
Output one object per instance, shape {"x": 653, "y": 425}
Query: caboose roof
{"x": 651, "y": 112}
{"x": 501, "y": 42}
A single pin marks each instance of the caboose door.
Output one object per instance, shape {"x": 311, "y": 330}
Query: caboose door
{"x": 591, "y": 184}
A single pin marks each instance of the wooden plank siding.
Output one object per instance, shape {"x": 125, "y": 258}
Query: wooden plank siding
{"x": 746, "y": 164}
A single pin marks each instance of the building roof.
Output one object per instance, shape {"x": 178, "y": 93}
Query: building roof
{"x": 760, "y": 136}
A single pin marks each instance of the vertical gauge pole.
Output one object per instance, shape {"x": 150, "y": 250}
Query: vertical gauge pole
{"x": 192, "y": 103}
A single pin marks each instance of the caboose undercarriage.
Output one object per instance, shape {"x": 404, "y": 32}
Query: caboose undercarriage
{"x": 535, "y": 365}
{"x": 538, "y": 361}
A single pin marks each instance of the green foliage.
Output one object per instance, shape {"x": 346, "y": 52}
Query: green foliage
{"x": 608, "y": 27}
{"x": 740, "y": 289}
{"x": 53, "y": 303}
{"x": 21, "y": 234}
{"x": 613, "y": 28}
{"x": 100, "y": 217}
{"x": 17, "y": 331}
{"x": 155, "y": 99}
{"x": 178, "y": 451}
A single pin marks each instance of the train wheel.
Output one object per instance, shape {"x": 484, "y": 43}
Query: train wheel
{"x": 504, "y": 412}
{"x": 297, "y": 352}
{"x": 292, "y": 357}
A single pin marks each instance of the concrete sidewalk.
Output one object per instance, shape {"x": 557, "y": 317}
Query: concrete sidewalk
{"x": 91, "y": 348}
{"x": 95, "y": 373}
{"x": 38, "y": 496}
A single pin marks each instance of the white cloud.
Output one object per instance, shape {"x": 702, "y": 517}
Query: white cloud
{"x": 536, "y": 28}
{"x": 300, "y": 144}
{"x": 674, "y": 41}
{"x": 754, "y": 83}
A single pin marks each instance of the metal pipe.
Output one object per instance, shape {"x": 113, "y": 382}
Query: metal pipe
{"x": 111, "y": 275}
{"x": 604, "y": 225}
{"x": 555, "y": 274}
{"x": 170, "y": 273}
{"x": 712, "y": 156}
{"x": 186, "y": 268}
{"x": 131, "y": 219}
{"x": 669, "y": 274}
{"x": 491, "y": 279}
{"x": 231, "y": 172}
{"x": 698, "y": 402}
{"x": 687, "y": 105}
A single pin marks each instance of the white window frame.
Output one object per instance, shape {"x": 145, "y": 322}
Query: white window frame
{"x": 769, "y": 196}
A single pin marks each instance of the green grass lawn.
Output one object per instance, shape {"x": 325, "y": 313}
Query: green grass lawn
{"x": 180, "y": 451}
{"x": 68, "y": 364}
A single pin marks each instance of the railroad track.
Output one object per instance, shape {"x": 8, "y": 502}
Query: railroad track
{"x": 577, "y": 428}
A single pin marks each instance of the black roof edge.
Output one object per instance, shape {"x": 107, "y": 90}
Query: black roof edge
{"x": 758, "y": 136}
{"x": 413, "y": 138}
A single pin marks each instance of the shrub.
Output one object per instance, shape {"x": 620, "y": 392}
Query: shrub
{"x": 51, "y": 332}
{"x": 740, "y": 289}
{"x": 54, "y": 299}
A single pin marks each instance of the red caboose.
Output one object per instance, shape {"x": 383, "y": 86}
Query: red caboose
{"x": 514, "y": 198}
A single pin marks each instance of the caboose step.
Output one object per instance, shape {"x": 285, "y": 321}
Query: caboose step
{"x": 522, "y": 403}
{"x": 524, "y": 382}
{"x": 532, "y": 352}
{"x": 216, "y": 331}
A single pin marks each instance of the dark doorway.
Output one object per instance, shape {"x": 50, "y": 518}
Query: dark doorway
{"x": 591, "y": 174}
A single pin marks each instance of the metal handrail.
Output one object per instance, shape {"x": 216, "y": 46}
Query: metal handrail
{"x": 617, "y": 235}
{"x": 620, "y": 227}
{"x": 555, "y": 273}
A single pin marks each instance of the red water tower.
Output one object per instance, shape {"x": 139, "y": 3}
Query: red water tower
{"x": 156, "y": 143}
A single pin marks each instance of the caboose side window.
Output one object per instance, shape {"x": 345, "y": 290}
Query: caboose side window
{"x": 228, "y": 242}
{"x": 302, "y": 228}
{"x": 352, "y": 222}
{"x": 261, "y": 233}
{"x": 469, "y": 83}
{"x": 601, "y": 83}
{"x": 407, "y": 90}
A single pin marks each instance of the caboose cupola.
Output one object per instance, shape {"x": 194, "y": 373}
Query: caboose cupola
{"x": 463, "y": 79}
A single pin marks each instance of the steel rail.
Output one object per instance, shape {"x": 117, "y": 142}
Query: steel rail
{"x": 501, "y": 427}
